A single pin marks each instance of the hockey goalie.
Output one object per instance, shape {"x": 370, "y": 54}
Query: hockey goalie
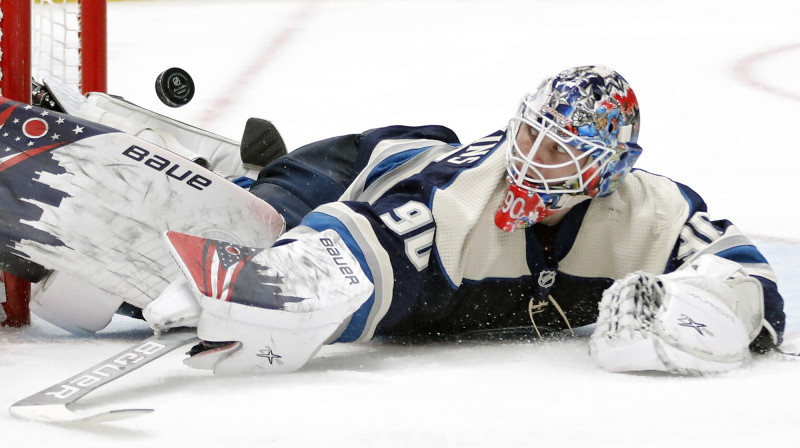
{"x": 540, "y": 227}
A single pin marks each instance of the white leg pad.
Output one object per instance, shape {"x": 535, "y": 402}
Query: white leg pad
{"x": 221, "y": 153}
{"x": 73, "y": 304}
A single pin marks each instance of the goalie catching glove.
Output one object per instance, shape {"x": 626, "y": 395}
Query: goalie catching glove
{"x": 700, "y": 319}
{"x": 267, "y": 310}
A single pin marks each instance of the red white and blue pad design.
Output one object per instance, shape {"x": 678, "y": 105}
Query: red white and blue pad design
{"x": 83, "y": 198}
{"x": 215, "y": 267}
{"x": 219, "y": 266}
{"x": 306, "y": 275}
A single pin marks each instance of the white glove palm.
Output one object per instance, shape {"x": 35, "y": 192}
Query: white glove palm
{"x": 697, "y": 320}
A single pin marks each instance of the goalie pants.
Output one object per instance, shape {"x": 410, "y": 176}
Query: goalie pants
{"x": 310, "y": 176}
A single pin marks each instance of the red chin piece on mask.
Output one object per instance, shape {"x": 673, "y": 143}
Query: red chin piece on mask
{"x": 520, "y": 209}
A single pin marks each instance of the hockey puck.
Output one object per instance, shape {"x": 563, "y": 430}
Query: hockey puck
{"x": 174, "y": 87}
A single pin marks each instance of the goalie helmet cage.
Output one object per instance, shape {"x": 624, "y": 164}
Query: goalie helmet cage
{"x": 64, "y": 40}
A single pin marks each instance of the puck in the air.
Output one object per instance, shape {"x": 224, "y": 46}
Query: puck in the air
{"x": 174, "y": 87}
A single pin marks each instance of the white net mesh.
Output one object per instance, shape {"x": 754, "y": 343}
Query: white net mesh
{"x": 55, "y": 45}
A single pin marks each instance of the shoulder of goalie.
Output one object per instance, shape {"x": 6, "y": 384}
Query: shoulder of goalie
{"x": 699, "y": 319}
{"x": 275, "y": 320}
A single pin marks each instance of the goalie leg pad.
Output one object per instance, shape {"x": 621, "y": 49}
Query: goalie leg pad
{"x": 652, "y": 323}
{"x": 73, "y": 304}
{"x": 218, "y": 153}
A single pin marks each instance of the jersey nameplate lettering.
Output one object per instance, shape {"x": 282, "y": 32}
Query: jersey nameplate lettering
{"x": 474, "y": 152}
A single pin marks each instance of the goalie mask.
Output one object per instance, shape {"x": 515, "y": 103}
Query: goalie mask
{"x": 574, "y": 139}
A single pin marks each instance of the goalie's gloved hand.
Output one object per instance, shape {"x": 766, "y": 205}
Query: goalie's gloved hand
{"x": 700, "y": 319}
{"x": 175, "y": 307}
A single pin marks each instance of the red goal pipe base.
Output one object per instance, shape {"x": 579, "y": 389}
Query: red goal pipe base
{"x": 17, "y": 311}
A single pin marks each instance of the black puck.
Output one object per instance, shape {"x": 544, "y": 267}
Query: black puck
{"x": 174, "y": 87}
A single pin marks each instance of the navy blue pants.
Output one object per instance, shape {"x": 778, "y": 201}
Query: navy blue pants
{"x": 310, "y": 176}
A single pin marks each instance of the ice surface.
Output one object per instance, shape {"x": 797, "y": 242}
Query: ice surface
{"x": 716, "y": 82}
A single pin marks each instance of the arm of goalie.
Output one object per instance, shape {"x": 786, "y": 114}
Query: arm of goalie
{"x": 700, "y": 319}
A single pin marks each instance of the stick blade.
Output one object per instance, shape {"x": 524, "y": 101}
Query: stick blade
{"x": 56, "y": 404}
{"x": 61, "y": 413}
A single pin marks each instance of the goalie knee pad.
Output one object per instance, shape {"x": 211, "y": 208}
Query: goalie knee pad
{"x": 697, "y": 321}
{"x": 73, "y": 304}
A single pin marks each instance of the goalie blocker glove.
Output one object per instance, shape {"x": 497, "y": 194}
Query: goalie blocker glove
{"x": 697, "y": 320}
{"x": 268, "y": 310}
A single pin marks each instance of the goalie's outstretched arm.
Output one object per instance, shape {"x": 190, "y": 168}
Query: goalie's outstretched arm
{"x": 717, "y": 302}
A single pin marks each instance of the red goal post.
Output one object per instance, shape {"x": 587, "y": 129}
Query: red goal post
{"x": 60, "y": 39}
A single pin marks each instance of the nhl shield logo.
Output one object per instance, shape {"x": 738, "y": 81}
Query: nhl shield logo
{"x": 547, "y": 279}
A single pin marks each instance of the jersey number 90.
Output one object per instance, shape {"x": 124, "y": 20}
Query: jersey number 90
{"x": 407, "y": 218}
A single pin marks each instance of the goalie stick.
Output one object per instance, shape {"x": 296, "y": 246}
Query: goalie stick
{"x": 56, "y": 403}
